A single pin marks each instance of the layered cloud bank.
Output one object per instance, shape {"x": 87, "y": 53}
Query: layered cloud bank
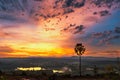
{"x": 51, "y": 28}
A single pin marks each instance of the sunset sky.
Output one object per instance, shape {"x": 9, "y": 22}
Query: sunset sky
{"x": 51, "y": 28}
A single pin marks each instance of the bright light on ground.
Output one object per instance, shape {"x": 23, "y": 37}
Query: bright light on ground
{"x": 37, "y": 69}
{"x": 29, "y": 69}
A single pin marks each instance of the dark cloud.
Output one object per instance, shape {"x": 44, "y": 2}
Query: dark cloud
{"x": 94, "y": 13}
{"x": 72, "y": 28}
{"x": 58, "y": 1}
{"x": 79, "y": 29}
{"x": 73, "y": 3}
{"x": 12, "y": 5}
{"x": 105, "y": 37}
{"x": 117, "y": 29}
{"x": 113, "y": 37}
{"x": 68, "y": 3}
{"x": 107, "y": 40}
{"x": 68, "y": 10}
{"x": 69, "y": 27}
{"x": 66, "y": 29}
{"x": 108, "y": 3}
{"x": 79, "y": 4}
{"x": 102, "y": 34}
{"x": 104, "y": 13}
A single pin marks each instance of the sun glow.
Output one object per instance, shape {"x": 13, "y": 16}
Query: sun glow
{"x": 39, "y": 50}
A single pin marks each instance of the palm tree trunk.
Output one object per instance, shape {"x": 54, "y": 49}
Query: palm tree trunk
{"x": 79, "y": 65}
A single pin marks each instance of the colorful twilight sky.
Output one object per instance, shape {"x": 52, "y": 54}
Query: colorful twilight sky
{"x": 52, "y": 28}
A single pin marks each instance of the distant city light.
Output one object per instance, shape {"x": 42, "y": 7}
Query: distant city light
{"x": 30, "y": 69}
{"x": 58, "y": 71}
{"x": 38, "y": 69}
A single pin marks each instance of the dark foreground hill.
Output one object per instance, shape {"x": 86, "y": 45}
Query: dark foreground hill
{"x": 105, "y": 77}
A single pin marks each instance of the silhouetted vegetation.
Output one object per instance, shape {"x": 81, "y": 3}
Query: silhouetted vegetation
{"x": 79, "y": 49}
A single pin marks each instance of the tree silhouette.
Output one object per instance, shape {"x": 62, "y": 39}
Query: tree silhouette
{"x": 79, "y": 50}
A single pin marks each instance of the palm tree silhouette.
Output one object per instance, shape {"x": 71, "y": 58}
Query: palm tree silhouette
{"x": 79, "y": 50}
